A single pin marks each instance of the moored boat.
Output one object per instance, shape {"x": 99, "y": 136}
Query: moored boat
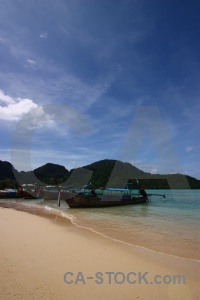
{"x": 55, "y": 192}
{"x": 31, "y": 191}
{"x": 50, "y": 192}
{"x": 9, "y": 194}
{"x": 106, "y": 198}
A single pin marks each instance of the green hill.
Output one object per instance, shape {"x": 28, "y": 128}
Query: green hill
{"x": 6, "y": 170}
{"x": 7, "y": 178}
{"x": 103, "y": 173}
{"x": 49, "y": 172}
{"x": 112, "y": 172}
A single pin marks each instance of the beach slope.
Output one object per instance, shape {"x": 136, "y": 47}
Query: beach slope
{"x": 48, "y": 258}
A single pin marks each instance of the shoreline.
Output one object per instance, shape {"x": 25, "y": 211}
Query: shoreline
{"x": 36, "y": 254}
{"x": 65, "y": 218}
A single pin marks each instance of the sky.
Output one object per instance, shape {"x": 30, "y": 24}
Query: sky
{"x": 86, "y": 80}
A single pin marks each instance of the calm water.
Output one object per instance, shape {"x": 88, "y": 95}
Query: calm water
{"x": 169, "y": 225}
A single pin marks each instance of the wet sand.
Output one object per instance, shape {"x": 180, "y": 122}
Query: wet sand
{"x": 38, "y": 249}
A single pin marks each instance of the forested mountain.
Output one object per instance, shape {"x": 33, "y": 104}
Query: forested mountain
{"x": 6, "y": 170}
{"x": 50, "y": 172}
{"x": 104, "y": 173}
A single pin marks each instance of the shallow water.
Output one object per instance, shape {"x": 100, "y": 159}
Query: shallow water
{"x": 169, "y": 225}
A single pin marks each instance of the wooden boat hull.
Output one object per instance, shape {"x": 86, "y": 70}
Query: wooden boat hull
{"x": 83, "y": 201}
{"x": 10, "y": 195}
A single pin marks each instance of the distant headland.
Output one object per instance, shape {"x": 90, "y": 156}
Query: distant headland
{"x": 101, "y": 173}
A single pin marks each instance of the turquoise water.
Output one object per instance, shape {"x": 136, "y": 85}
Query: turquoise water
{"x": 168, "y": 225}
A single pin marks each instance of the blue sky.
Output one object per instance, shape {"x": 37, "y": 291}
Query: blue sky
{"x": 74, "y": 74}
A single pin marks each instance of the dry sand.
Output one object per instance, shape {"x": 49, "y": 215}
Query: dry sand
{"x": 36, "y": 252}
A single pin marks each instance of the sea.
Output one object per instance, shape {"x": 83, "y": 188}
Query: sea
{"x": 169, "y": 225}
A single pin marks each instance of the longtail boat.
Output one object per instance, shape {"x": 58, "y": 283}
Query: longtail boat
{"x": 105, "y": 198}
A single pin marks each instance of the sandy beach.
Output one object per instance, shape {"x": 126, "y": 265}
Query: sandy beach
{"x": 46, "y": 257}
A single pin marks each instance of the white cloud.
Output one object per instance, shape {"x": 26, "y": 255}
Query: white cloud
{"x": 154, "y": 171}
{"x": 189, "y": 148}
{"x": 31, "y": 62}
{"x": 14, "y": 108}
{"x": 43, "y": 35}
{"x": 5, "y": 98}
{"x": 36, "y": 117}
